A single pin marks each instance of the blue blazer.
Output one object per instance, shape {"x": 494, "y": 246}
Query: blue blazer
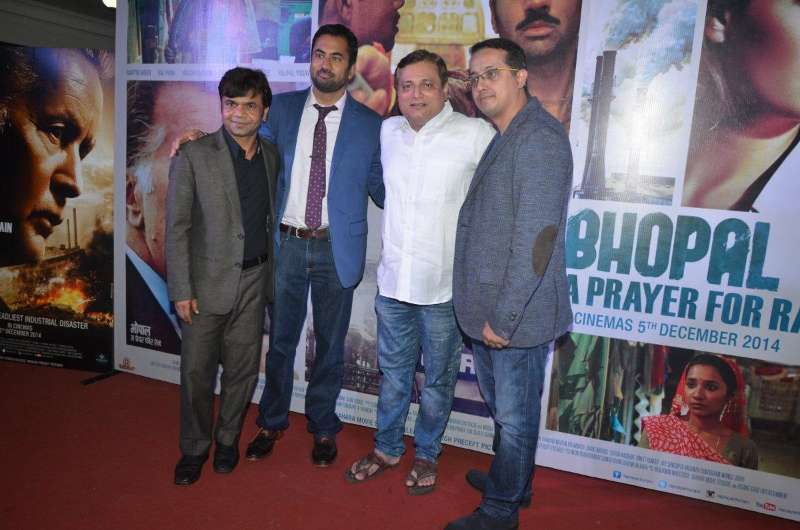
{"x": 355, "y": 174}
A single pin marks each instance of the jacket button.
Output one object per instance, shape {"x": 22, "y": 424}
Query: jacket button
{"x": 513, "y": 316}
{"x": 240, "y": 236}
{"x": 237, "y": 265}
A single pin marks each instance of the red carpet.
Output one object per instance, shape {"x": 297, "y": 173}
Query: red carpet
{"x": 101, "y": 457}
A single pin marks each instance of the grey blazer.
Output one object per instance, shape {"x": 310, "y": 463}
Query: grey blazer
{"x": 205, "y": 236}
{"x": 509, "y": 260}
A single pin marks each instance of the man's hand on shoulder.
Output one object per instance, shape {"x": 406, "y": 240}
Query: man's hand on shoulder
{"x": 187, "y": 136}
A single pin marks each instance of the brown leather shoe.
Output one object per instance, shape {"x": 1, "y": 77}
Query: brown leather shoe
{"x": 261, "y": 445}
{"x": 324, "y": 452}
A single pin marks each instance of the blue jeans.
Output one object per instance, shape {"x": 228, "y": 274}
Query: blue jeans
{"x": 302, "y": 265}
{"x": 511, "y": 381}
{"x": 402, "y": 329}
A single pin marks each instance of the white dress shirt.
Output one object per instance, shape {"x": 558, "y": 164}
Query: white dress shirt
{"x": 295, "y": 214}
{"x": 427, "y": 175}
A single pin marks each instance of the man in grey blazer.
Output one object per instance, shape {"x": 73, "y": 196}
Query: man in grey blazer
{"x": 510, "y": 283}
{"x": 220, "y": 211}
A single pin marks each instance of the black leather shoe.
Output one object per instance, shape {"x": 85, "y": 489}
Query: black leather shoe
{"x": 324, "y": 452}
{"x": 262, "y": 444}
{"x": 188, "y": 469}
{"x": 225, "y": 458}
{"x": 477, "y": 479}
{"x": 480, "y": 521}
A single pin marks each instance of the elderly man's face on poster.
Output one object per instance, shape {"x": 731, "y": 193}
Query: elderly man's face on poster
{"x": 47, "y": 132}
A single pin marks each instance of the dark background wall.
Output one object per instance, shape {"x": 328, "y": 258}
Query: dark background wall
{"x": 57, "y": 23}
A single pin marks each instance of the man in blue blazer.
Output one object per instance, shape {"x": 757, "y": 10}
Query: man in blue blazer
{"x": 330, "y": 151}
{"x": 509, "y": 279}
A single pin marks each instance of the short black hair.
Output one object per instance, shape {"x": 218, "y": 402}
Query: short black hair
{"x": 239, "y": 81}
{"x": 339, "y": 30}
{"x": 420, "y": 56}
{"x": 720, "y": 364}
{"x": 515, "y": 56}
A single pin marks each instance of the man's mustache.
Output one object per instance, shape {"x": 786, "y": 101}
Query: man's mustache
{"x": 539, "y": 14}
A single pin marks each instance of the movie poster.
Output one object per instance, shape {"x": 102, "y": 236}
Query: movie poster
{"x": 56, "y": 189}
{"x": 177, "y": 51}
{"x": 682, "y": 373}
{"x": 679, "y": 244}
{"x": 196, "y": 40}
{"x": 387, "y": 32}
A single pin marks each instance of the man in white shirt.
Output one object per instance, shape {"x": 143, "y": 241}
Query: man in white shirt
{"x": 429, "y": 155}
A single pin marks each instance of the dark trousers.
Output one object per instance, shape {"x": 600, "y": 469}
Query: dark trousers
{"x": 234, "y": 340}
{"x": 304, "y": 265}
{"x": 511, "y": 382}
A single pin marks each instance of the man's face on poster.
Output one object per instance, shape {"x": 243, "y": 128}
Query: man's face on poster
{"x": 763, "y": 46}
{"x": 47, "y": 134}
{"x": 375, "y": 21}
{"x": 178, "y": 107}
{"x": 542, "y": 28}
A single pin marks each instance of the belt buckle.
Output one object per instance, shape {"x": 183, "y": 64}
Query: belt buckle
{"x": 303, "y": 233}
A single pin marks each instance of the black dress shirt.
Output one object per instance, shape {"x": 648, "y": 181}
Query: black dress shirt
{"x": 251, "y": 180}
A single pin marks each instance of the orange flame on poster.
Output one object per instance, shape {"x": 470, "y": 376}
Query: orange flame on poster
{"x": 70, "y": 294}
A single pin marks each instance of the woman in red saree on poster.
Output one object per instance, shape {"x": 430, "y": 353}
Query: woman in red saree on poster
{"x": 707, "y": 418}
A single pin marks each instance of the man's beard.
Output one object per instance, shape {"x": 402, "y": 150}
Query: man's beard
{"x": 328, "y": 85}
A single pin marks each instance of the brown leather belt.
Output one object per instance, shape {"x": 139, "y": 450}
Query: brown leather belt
{"x": 252, "y": 262}
{"x": 306, "y": 233}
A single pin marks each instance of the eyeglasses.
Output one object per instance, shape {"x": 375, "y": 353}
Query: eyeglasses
{"x": 490, "y": 75}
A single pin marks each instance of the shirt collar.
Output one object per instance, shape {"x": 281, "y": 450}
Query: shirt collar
{"x": 236, "y": 150}
{"x": 434, "y": 122}
{"x": 311, "y": 101}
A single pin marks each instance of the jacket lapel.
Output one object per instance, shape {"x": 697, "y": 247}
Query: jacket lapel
{"x": 293, "y": 114}
{"x": 486, "y": 161}
{"x": 222, "y": 165}
{"x": 271, "y": 169}
{"x": 346, "y": 131}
